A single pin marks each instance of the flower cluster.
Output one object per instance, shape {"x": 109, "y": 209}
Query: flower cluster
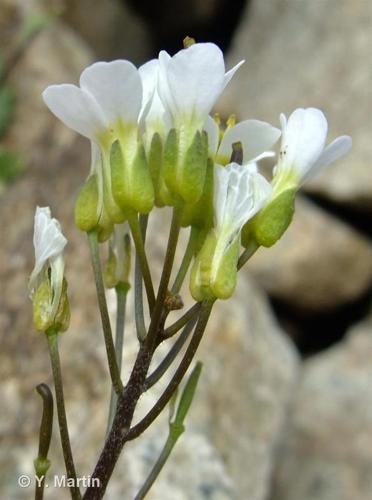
{"x": 154, "y": 143}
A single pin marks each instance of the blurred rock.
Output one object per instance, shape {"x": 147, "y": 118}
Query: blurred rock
{"x": 318, "y": 264}
{"x": 110, "y": 28}
{"x": 301, "y": 54}
{"x": 327, "y": 451}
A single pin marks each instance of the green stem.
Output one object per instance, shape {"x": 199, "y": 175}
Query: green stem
{"x": 42, "y": 463}
{"x": 148, "y": 419}
{"x": 165, "y": 276}
{"x": 121, "y": 302}
{"x": 186, "y": 261}
{"x": 140, "y": 250}
{"x": 52, "y": 338}
{"x": 159, "y": 371}
{"x": 247, "y": 254}
{"x": 138, "y": 293}
{"x": 164, "y": 455}
{"x": 106, "y": 326}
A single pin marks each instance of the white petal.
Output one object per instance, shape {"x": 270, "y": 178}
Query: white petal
{"x": 117, "y": 87}
{"x": 192, "y": 80}
{"x": 149, "y": 77}
{"x": 255, "y": 136}
{"x": 213, "y": 131}
{"x": 239, "y": 193}
{"x": 303, "y": 139}
{"x": 231, "y": 73}
{"x": 49, "y": 241}
{"x": 339, "y": 147}
{"x": 57, "y": 267}
{"x": 76, "y": 109}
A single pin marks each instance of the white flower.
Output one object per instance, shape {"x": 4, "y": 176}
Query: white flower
{"x": 255, "y": 136}
{"x": 239, "y": 193}
{"x": 191, "y": 81}
{"x": 108, "y": 98}
{"x": 303, "y": 152}
{"x": 49, "y": 244}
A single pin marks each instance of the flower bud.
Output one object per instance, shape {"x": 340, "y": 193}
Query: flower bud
{"x": 119, "y": 261}
{"x": 87, "y": 210}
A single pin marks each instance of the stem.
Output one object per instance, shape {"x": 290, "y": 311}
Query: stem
{"x": 140, "y": 249}
{"x": 155, "y": 471}
{"x": 106, "y": 326}
{"x": 137, "y": 430}
{"x": 121, "y": 301}
{"x": 42, "y": 463}
{"x": 186, "y": 261}
{"x": 247, "y": 254}
{"x": 138, "y": 294}
{"x": 156, "y": 375}
{"x": 52, "y": 338}
{"x": 182, "y": 321}
{"x": 124, "y": 414}
{"x": 165, "y": 276}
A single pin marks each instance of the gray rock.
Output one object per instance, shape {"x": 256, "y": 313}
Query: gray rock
{"x": 301, "y": 54}
{"x": 326, "y": 453}
{"x": 319, "y": 263}
{"x": 110, "y": 28}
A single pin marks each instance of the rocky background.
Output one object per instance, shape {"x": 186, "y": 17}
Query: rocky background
{"x": 284, "y": 407}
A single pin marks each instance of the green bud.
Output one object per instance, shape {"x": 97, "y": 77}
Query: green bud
{"x": 184, "y": 173}
{"x": 268, "y": 226}
{"x": 155, "y": 161}
{"x": 42, "y": 308}
{"x": 41, "y": 466}
{"x": 132, "y": 186}
{"x": 86, "y": 208}
{"x": 200, "y": 214}
{"x": 224, "y": 282}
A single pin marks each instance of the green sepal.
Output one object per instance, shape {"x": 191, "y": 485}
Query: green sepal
{"x": 201, "y": 269}
{"x": 42, "y": 306}
{"x": 194, "y": 169}
{"x": 86, "y": 207}
{"x": 200, "y": 214}
{"x": 272, "y": 221}
{"x": 132, "y": 186}
{"x": 184, "y": 174}
{"x": 224, "y": 284}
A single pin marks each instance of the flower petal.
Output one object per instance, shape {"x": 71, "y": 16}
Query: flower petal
{"x": 239, "y": 193}
{"x": 192, "y": 80}
{"x": 303, "y": 139}
{"x": 231, "y": 72}
{"x": 149, "y": 77}
{"x": 76, "y": 109}
{"x": 213, "y": 132}
{"x": 117, "y": 87}
{"x": 49, "y": 241}
{"x": 254, "y": 135}
{"x": 339, "y": 147}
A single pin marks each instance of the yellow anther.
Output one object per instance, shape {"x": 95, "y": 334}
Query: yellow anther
{"x": 230, "y": 122}
{"x": 188, "y": 41}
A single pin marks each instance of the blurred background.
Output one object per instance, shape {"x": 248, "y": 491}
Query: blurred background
{"x": 284, "y": 410}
